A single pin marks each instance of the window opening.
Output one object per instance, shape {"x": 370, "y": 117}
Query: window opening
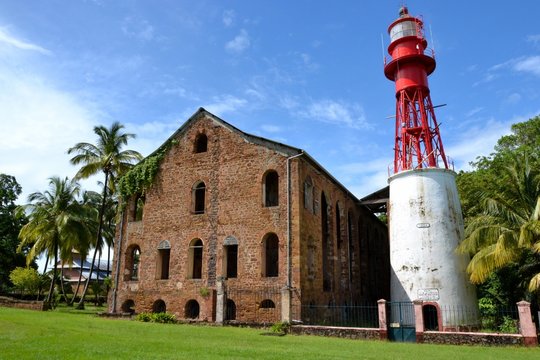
{"x": 230, "y": 310}
{"x": 196, "y": 252}
{"x": 271, "y": 189}
{"x": 267, "y": 304}
{"x": 159, "y": 306}
{"x": 308, "y": 194}
{"x": 326, "y": 246}
{"x": 201, "y": 143}
{"x": 271, "y": 256}
{"x": 192, "y": 309}
{"x": 199, "y": 192}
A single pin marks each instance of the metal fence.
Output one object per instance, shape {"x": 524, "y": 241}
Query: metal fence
{"x": 365, "y": 315}
{"x": 502, "y": 319}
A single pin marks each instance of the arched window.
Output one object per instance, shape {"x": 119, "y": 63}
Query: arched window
{"x": 350, "y": 245}
{"x": 192, "y": 309}
{"x": 128, "y": 307}
{"x": 164, "y": 255}
{"x": 271, "y": 189}
{"x": 195, "y": 259}
{"x": 198, "y": 197}
{"x": 230, "y": 257}
{"x": 338, "y": 226}
{"x": 230, "y": 310}
{"x": 133, "y": 258}
{"x": 201, "y": 143}
{"x": 308, "y": 194}
{"x": 159, "y": 306}
{"x": 267, "y": 304}
{"x": 327, "y": 247}
{"x": 270, "y": 256}
{"x": 139, "y": 207}
{"x": 311, "y": 250}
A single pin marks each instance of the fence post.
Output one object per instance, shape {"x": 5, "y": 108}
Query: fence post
{"x": 220, "y": 300}
{"x": 419, "y": 320}
{"x": 383, "y": 330}
{"x": 526, "y": 325}
{"x": 286, "y": 305}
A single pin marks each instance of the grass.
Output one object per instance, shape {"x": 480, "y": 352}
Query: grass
{"x": 26, "y": 334}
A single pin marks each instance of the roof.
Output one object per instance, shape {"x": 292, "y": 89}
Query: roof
{"x": 377, "y": 202}
{"x": 284, "y": 149}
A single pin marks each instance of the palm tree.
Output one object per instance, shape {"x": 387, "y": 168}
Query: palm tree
{"x": 508, "y": 230}
{"x": 108, "y": 157}
{"x": 57, "y": 223}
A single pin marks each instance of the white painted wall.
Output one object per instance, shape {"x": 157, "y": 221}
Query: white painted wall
{"x": 426, "y": 225}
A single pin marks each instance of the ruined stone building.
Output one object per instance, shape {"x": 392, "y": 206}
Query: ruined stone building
{"x": 239, "y": 227}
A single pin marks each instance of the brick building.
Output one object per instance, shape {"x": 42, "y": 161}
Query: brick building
{"x": 238, "y": 227}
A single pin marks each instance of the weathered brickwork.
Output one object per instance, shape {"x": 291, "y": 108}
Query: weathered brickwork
{"x": 242, "y": 211}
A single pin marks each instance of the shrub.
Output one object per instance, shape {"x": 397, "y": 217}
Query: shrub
{"x": 508, "y": 326}
{"x": 162, "y": 318}
{"x": 26, "y": 280}
{"x": 144, "y": 317}
{"x": 280, "y": 327}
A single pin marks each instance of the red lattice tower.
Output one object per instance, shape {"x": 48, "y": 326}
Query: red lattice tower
{"x": 418, "y": 141}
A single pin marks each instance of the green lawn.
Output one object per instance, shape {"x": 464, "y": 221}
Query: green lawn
{"x": 26, "y": 334}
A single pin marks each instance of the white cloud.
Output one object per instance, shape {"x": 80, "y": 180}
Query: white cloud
{"x": 228, "y": 18}
{"x": 10, "y": 40}
{"x": 240, "y": 43}
{"x": 363, "y": 178}
{"x": 337, "y": 112}
{"x": 137, "y": 28}
{"x": 225, "y": 104}
{"x": 478, "y": 142}
{"x": 42, "y": 123}
{"x": 529, "y": 64}
{"x": 513, "y": 98}
{"x": 535, "y": 39}
{"x": 474, "y": 111}
{"x": 270, "y": 128}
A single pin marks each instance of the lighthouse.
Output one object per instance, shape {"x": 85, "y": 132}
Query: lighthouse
{"x": 426, "y": 223}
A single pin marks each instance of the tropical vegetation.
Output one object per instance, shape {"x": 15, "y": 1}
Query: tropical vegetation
{"x": 57, "y": 224}
{"x": 501, "y": 204}
{"x": 107, "y": 157}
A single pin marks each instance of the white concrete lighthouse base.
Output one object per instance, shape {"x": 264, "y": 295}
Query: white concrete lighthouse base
{"x": 426, "y": 225}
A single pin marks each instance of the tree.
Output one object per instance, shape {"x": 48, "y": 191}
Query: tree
{"x": 25, "y": 279}
{"x": 501, "y": 206}
{"x": 57, "y": 224}
{"x": 10, "y": 225}
{"x": 108, "y": 157}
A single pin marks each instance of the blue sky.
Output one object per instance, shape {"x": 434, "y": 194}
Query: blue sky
{"x": 305, "y": 73}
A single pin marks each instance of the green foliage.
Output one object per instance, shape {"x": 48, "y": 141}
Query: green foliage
{"x": 204, "y": 291}
{"x": 141, "y": 177}
{"x": 11, "y": 222}
{"x": 508, "y": 326}
{"x": 162, "y": 318}
{"x": 144, "y": 317}
{"x": 501, "y": 205}
{"x": 280, "y": 327}
{"x": 26, "y": 280}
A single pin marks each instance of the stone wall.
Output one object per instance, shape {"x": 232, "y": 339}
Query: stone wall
{"x": 342, "y": 332}
{"x": 22, "y": 304}
{"x": 471, "y": 338}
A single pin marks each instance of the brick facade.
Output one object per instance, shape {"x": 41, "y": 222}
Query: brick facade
{"x": 224, "y": 194}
